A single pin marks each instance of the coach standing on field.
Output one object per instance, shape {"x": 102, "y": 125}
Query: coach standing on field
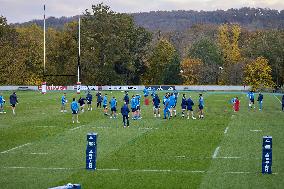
{"x": 13, "y": 101}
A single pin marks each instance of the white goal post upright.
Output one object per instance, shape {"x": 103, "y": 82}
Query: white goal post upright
{"x": 43, "y": 86}
{"x": 79, "y": 56}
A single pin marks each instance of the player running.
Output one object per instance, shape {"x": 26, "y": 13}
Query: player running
{"x": 124, "y": 112}
{"x": 201, "y": 106}
{"x": 75, "y": 110}
{"x": 156, "y": 104}
{"x": 113, "y": 104}
{"x": 2, "y": 102}
{"x": 13, "y": 101}
{"x": 105, "y": 104}
{"x": 63, "y": 103}
{"x": 189, "y": 104}
{"x": 183, "y": 105}
{"x": 89, "y": 99}
{"x": 250, "y": 95}
{"x": 260, "y": 101}
{"x": 133, "y": 107}
{"x": 81, "y": 102}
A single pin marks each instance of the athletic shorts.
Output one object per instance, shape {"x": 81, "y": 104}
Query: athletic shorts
{"x": 74, "y": 112}
{"x": 252, "y": 101}
{"x": 105, "y": 106}
{"x": 13, "y": 105}
{"x": 1, "y": 104}
{"x": 183, "y": 107}
{"x": 200, "y": 107}
{"x": 146, "y": 95}
{"x": 133, "y": 109}
{"x": 138, "y": 108}
{"x": 113, "y": 109}
{"x": 190, "y": 108}
{"x": 157, "y": 106}
{"x": 89, "y": 102}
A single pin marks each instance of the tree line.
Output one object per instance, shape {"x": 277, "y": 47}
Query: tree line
{"x": 116, "y": 51}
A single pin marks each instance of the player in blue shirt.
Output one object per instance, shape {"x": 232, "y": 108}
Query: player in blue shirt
{"x": 153, "y": 94}
{"x": 138, "y": 110}
{"x": 89, "y": 99}
{"x": 13, "y": 101}
{"x": 126, "y": 98}
{"x": 105, "y": 104}
{"x": 260, "y": 101}
{"x": 124, "y": 112}
{"x": 133, "y": 107}
{"x": 250, "y": 95}
{"x": 172, "y": 105}
{"x": 2, "y": 102}
{"x": 201, "y": 106}
{"x": 63, "y": 103}
{"x": 189, "y": 105}
{"x": 113, "y": 104}
{"x": 146, "y": 92}
{"x": 75, "y": 110}
{"x": 167, "y": 107}
{"x": 156, "y": 104}
{"x": 183, "y": 105}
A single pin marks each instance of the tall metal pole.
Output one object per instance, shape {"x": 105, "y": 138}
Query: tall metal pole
{"x": 44, "y": 40}
{"x": 79, "y": 49}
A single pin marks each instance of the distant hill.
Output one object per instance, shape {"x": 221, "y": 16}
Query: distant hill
{"x": 166, "y": 21}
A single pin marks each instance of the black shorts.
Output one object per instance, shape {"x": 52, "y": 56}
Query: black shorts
{"x": 74, "y": 112}
{"x": 183, "y": 107}
{"x": 189, "y": 108}
{"x": 252, "y": 101}
{"x": 113, "y": 109}
{"x": 200, "y": 107}
{"x": 133, "y": 109}
{"x": 105, "y": 106}
{"x": 138, "y": 108}
{"x": 13, "y": 105}
{"x": 89, "y": 102}
{"x": 157, "y": 106}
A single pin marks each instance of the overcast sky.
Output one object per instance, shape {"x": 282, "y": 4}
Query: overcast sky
{"x": 25, "y": 10}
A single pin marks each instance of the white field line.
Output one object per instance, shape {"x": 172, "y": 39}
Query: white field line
{"x": 39, "y": 153}
{"x": 216, "y": 152}
{"x": 46, "y": 126}
{"x": 4, "y": 152}
{"x": 136, "y": 170}
{"x": 255, "y": 130}
{"x": 277, "y": 99}
{"x": 228, "y": 157}
{"x": 226, "y": 130}
{"x": 77, "y": 128}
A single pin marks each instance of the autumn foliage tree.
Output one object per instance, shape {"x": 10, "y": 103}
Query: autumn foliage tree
{"x": 190, "y": 69}
{"x": 258, "y": 74}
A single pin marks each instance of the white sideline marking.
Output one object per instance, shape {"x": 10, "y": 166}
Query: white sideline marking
{"x": 136, "y": 170}
{"x": 45, "y": 126}
{"x": 180, "y": 156}
{"x": 278, "y": 99}
{"x": 226, "y": 130}
{"x": 228, "y": 157}
{"x": 39, "y": 153}
{"x": 77, "y": 128}
{"x": 256, "y": 130}
{"x": 216, "y": 152}
{"x": 4, "y": 152}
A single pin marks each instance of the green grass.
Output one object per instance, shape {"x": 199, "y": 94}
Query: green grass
{"x": 152, "y": 153}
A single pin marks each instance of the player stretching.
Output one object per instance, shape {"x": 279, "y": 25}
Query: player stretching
{"x": 2, "y": 102}
{"x": 105, "y": 104}
{"x": 189, "y": 104}
{"x": 75, "y": 110}
{"x": 63, "y": 103}
{"x": 13, "y": 101}
{"x": 251, "y": 100}
{"x": 156, "y": 104}
{"x": 183, "y": 105}
{"x": 133, "y": 107}
{"x": 89, "y": 99}
{"x": 113, "y": 104}
{"x": 201, "y": 106}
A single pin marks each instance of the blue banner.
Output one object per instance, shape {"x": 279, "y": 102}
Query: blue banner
{"x": 267, "y": 155}
{"x": 91, "y": 151}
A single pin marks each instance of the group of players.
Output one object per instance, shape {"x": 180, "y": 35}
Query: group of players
{"x": 13, "y": 102}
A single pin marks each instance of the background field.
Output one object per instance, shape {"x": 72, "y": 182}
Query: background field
{"x": 41, "y": 148}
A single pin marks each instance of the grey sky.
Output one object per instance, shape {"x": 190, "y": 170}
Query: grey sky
{"x": 25, "y": 10}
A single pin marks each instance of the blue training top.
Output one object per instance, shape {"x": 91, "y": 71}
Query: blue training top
{"x": 113, "y": 103}
{"x": 74, "y": 106}
{"x": 105, "y": 101}
{"x": 133, "y": 103}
